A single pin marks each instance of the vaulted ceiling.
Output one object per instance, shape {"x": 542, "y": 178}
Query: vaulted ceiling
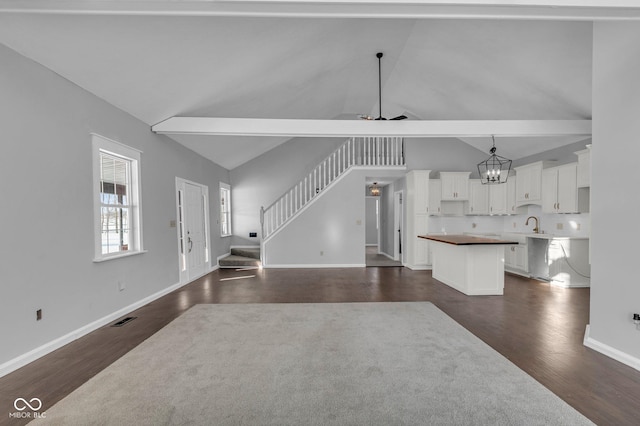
{"x": 155, "y": 67}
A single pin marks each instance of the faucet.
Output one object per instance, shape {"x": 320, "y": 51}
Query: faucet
{"x": 535, "y": 229}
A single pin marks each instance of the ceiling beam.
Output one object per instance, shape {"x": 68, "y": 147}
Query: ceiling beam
{"x": 413, "y": 9}
{"x": 348, "y": 128}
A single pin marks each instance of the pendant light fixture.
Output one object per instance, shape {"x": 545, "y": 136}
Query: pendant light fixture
{"x": 495, "y": 169}
{"x": 374, "y": 190}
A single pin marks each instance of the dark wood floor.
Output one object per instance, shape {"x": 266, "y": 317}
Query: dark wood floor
{"x": 538, "y": 327}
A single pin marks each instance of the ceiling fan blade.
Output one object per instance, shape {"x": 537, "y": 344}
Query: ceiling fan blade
{"x": 400, "y": 117}
{"x": 380, "y": 118}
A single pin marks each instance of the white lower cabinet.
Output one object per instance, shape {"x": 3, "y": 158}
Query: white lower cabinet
{"x": 516, "y": 256}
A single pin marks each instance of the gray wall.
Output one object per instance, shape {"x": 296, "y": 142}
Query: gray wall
{"x": 563, "y": 155}
{"x": 47, "y": 208}
{"x": 441, "y": 154}
{"x": 371, "y": 218}
{"x": 615, "y": 292}
{"x": 262, "y": 180}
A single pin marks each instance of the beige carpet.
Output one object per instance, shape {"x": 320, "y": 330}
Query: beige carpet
{"x": 313, "y": 364}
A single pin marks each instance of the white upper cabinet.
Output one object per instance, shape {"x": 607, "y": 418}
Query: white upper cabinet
{"x": 435, "y": 194}
{"x": 584, "y": 167}
{"x": 455, "y": 186}
{"x": 528, "y": 184}
{"x": 498, "y": 198}
{"x": 560, "y": 189}
{"x": 512, "y": 205}
{"x": 478, "y": 198}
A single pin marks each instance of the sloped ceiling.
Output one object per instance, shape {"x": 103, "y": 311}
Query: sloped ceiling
{"x": 156, "y": 67}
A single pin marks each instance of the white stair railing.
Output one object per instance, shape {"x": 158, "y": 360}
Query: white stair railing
{"x": 368, "y": 152}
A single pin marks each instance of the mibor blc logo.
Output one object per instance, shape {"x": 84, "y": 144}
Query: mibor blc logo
{"x": 27, "y": 409}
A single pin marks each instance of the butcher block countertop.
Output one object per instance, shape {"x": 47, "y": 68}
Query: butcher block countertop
{"x": 464, "y": 240}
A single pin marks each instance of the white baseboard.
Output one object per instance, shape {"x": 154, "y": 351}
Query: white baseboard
{"x": 387, "y": 255}
{"x": 418, "y": 267}
{"x": 354, "y": 265}
{"x": 609, "y": 351}
{"x": 220, "y": 257}
{"x": 257, "y": 246}
{"x": 47, "y": 348}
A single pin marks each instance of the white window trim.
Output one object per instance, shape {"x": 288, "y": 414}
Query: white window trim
{"x": 100, "y": 143}
{"x": 227, "y": 187}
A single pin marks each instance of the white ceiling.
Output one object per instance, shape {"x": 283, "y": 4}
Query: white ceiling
{"x": 156, "y": 67}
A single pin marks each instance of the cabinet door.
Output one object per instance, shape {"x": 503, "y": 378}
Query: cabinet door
{"x": 521, "y": 260}
{"x": 462, "y": 186}
{"x": 509, "y": 256}
{"x": 511, "y": 195}
{"x": 478, "y": 198}
{"x": 422, "y": 245}
{"x": 455, "y": 186}
{"x": 435, "y": 194}
{"x": 567, "y": 189}
{"x": 523, "y": 178}
{"x": 550, "y": 190}
{"x": 535, "y": 182}
{"x": 528, "y": 184}
{"x": 498, "y": 198}
{"x": 584, "y": 168}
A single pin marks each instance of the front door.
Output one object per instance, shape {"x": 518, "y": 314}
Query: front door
{"x": 192, "y": 234}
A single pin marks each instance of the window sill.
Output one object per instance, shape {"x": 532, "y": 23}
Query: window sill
{"x": 117, "y": 256}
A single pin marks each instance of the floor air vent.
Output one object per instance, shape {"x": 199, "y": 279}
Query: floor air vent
{"x": 123, "y": 321}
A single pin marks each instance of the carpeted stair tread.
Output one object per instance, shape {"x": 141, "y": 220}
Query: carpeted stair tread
{"x": 251, "y": 252}
{"x": 233, "y": 260}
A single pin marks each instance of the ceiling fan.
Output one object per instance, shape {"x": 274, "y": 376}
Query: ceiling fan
{"x": 380, "y": 117}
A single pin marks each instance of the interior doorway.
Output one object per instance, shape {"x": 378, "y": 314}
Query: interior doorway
{"x": 192, "y": 201}
{"x": 383, "y": 229}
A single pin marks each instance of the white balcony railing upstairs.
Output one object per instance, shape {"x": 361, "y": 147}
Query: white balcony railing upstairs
{"x": 367, "y": 152}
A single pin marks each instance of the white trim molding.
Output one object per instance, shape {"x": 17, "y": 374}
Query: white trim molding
{"x": 312, "y": 266}
{"x": 412, "y": 9}
{"x": 609, "y": 351}
{"x": 369, "y": 128}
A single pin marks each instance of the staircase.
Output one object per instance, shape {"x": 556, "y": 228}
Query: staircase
{"x": 365, "y": 152}
{"x": 241, "y": 258}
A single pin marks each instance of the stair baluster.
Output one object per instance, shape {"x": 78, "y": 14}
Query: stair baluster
{"x": 367, "y": 151}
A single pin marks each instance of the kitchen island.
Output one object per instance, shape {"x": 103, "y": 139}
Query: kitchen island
{"x": 471, "y": 265}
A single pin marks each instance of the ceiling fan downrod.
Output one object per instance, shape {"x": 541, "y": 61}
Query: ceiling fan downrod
{"x": 379, "y": 56}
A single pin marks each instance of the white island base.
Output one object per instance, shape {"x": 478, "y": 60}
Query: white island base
{"x": 473, "y": 267}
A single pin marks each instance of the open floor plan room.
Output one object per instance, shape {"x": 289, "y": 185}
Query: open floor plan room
{"x": 537, "y": 327}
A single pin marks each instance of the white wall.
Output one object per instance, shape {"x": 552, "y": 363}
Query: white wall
{"x": 330, "y": 232}
{"x": 615, "y": 291}
{"x": 47, "y": 208}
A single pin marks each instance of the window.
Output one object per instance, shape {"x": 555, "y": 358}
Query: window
{"x": 225, "y": 210}
{"x": 116, "y": 170}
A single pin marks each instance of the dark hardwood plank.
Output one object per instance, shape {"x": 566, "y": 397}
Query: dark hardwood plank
{"x": 538, "y": 327}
